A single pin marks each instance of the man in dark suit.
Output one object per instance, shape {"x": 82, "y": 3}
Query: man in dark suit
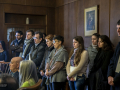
{"x": 37, "y": 50}
{"x": 17, "y": 45}
{"x": 114, "y": 66}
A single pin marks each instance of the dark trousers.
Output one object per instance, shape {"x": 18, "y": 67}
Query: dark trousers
{"x": 57, "y": 86}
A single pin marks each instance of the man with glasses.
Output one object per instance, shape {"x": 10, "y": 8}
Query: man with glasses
{"x": 37, "y": 50}
{"x": 17, "y": 45}
{"x": 28, "y": 43}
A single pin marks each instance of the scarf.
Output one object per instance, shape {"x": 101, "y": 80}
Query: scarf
{"x": 27, "y": 43}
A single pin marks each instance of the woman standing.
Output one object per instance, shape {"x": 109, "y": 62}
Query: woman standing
{"x": 78, "y": 60}
{"x": 28, "y": 74}
{"x": 49, "y": 48}
{"x": 98, "y": 73}
{"x": 92, "y": 50}
{"x": 3, "y": 52}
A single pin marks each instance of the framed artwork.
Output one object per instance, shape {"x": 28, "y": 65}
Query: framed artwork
{"x": 90, "y": 20}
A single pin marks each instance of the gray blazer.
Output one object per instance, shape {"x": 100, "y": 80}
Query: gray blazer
{"x": 61, "y": 56}
{"x": 92, "y": 52}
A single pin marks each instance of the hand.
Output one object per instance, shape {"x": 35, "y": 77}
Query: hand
{"x": 12, "y": 45}
{"x": 47, "y": 74}
{"x": 72, "y": 79}
{"x": 110, "y": 81}
{"x": 42, "y": 73}
{"x": 68, "y": 78}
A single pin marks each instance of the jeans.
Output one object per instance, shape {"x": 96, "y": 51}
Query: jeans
{"x": 79, "y": 84}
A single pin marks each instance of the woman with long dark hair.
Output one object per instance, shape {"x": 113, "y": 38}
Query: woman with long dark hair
{"x": 77, "y": 65}
{"x": 98, "y": 73}
{"x": 3, "y": 52}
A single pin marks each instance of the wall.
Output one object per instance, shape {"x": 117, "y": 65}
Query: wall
{"x": 69, "y": 19}
{"x": 29, "y": 7}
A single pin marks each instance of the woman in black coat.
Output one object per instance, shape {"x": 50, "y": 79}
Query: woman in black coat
{"x": 98, "y": 74}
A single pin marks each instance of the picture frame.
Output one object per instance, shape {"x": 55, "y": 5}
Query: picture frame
{"x": 90, "y": 20}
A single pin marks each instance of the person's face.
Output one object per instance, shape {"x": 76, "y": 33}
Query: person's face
{"x": 49, "y": 42}
{"x": 37, "y": 40}
{"x": 57, "y": 44}
{"x": 1, "y": 46}
{"x": 13, "y": 65}
{"x": 94, "y": 40}
{"x": 118, "y": 30}
{"x": 29, "y": 35}
{"x": 100, "y": 43}
{"x": 18, "y": 36}
{"x": 75, "y": 44}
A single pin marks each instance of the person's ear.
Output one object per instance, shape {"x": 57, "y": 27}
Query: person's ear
{"x": 21, "y": 36}
{"x": 17, "y": 65}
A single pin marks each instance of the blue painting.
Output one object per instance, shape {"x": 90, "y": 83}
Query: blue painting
{"x": 90, "y": 19}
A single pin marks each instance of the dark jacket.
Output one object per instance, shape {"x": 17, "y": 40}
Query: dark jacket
{"x": 45, "y": 58}
{"x": 4, "y": 56}
{"x": 99, "y": 70}
{"x": 15, "y": 75}
{"x": 112, "y": 67}
{"x": 37, "y": 53}
{"x": 29, "y": 48}
{"x": 17, "y": 48}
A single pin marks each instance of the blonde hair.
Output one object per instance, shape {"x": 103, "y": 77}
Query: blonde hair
{"x": 27, "y": 71}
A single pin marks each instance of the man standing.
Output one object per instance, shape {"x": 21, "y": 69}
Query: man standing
{"x": 114, "y": 66}
{"x": 37, "y": 50}
{"x": 28, "y": 43}
{"x": 17, "y": 45}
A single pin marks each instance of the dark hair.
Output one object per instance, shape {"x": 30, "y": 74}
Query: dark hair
{"x": 40, "y": 34}
{"x": 107, "y": 43}
{"x": 44, "y": 34}
{"x": 60, "y": 38}
{"x": 8, "y": 82}
{"x": 30, "y": 31}
{"x": 20, "y": 32}
{"x": 80, "y": 49}
{"x": 97, "y": 35}
{"x": 118, "y": 23}
{"x": 3, "y": 45}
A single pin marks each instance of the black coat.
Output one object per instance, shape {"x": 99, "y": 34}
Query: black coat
{"x": 17, "y": 48}
{"x": 98, "y": 74}
{"x": 46, "y": 55}
{"x": 37, "y": 53}
{"x": 112, "y": 67}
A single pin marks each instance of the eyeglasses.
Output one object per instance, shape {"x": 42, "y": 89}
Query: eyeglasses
{"x": 35, "y": 38}
{"x": 55, "y": 41}
{"x": 17, "y": 35}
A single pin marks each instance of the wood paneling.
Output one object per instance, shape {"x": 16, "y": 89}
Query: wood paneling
{"x": 114, "y": 17}
{"x": 1, "y": 23}
{"x": 44, "y": 3}
{"x": 73, "y": 15}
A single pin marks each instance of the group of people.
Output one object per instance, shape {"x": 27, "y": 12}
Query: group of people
{"x": 97, "y": 67}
